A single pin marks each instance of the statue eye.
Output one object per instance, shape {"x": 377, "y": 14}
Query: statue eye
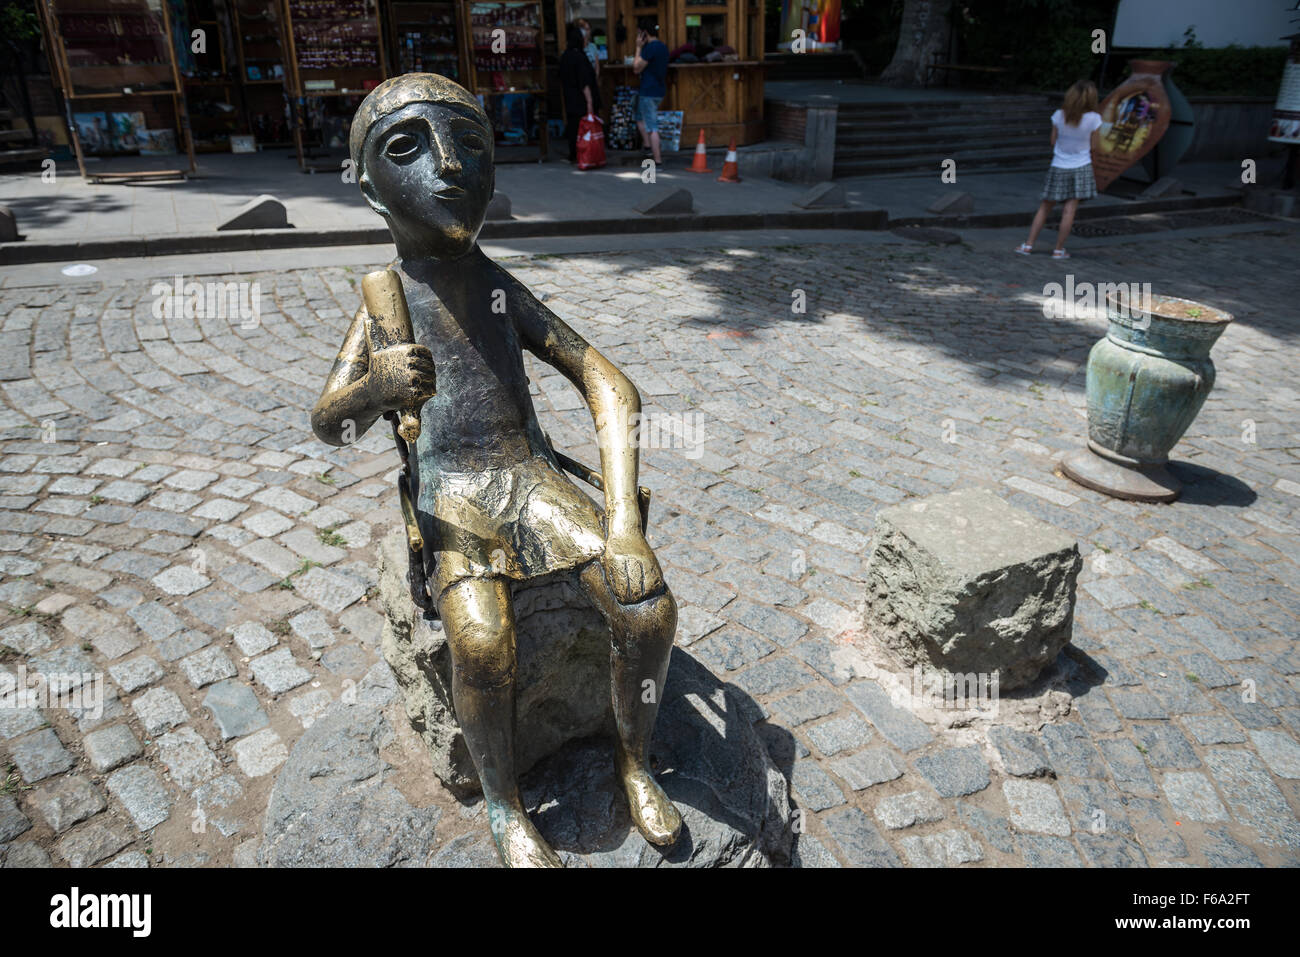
{"x": 403, "y": 146}
{"x": 473, "y": 141}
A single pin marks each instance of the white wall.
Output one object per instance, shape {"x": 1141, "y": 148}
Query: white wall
{"x": 1218, "y": 23}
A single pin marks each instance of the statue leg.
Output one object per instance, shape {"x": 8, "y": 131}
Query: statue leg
{"x": 642, "y": 642}
{"x": 479, "y": 618}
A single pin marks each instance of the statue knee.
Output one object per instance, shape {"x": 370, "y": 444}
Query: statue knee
{"x": 653, "y": 621}
{"x": 481, "y": 633}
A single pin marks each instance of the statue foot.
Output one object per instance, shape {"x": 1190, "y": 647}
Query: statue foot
{"x": 518, "y": 842}
{"x": 654, "y": 815}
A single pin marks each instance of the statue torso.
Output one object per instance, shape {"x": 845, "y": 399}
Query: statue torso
{"x": 482, "y": 416}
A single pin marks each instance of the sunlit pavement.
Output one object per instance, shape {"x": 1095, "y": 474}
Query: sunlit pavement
{"x": 168, "y": 518}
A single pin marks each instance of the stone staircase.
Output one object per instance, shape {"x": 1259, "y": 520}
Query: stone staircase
{"x": 995, "y": 132}
{"x": 812, "y": 66}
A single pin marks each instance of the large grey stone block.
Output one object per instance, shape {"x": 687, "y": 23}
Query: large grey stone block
{"x": 335, "y": 803}
{"x": 562, "y": 678}
{"x": 964, "y": 583}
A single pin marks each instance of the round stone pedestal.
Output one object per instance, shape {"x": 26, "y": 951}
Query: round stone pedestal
{"x": 1152, "y": 483}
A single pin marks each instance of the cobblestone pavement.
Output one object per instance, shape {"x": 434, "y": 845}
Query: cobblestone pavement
{"x": 167, "y": 518}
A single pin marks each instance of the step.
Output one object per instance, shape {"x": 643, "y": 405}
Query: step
{"x": 978, "y": 159}
{"x": 980, "y": 102}
{"x": 15, "y": 136}
{"x": 953, "y": 120}
{"x": 858, "y": 138}
{"x": 946, "y": 118}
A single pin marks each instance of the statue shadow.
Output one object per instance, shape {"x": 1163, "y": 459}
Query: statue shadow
{"x": 709, "y": 760}
{"x": 1206, "y": 486}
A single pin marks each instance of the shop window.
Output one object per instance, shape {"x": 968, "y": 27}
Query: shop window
{"x": 706, "y": 31}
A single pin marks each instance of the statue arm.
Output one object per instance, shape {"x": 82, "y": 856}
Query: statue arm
{"x": 344, "y": 397}
{"x": 610, "y": 395}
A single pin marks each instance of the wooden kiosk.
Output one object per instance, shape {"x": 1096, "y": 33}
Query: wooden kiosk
{"x": 114, "y": 61}
{"x": 725, "y": 98}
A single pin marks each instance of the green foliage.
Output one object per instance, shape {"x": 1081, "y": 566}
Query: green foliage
{"x": 870, "y": 27}
{"x": 18, "y": 21}
{"x": 1228, "y": 71}
{"x": 1046, "y": 44}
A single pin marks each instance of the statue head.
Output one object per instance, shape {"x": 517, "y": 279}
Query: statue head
{"x": 422, "y": 149}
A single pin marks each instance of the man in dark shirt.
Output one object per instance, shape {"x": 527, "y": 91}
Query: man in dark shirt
{"x": 651, "y": 64}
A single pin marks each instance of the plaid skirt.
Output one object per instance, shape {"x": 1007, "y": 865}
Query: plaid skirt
{"x": 1063, "y": 184}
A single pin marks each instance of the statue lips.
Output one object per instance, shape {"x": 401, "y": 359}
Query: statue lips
{"x": 449, "y": 191}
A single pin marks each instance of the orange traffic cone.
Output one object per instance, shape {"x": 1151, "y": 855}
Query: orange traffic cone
{"x": 700, "y": 164}
{"x": 731, "y": 168}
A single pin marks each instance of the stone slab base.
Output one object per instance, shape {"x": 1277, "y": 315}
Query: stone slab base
{"x": 1154, "y": 484}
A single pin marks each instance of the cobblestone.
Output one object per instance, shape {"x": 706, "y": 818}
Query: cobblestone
{"x": 1182, "y": 668}
{"x": 866, "y": 768}
{"x": 955, "y": 772}
{"x": 142, "y": 793}
{"x": 109, "y": 747}
{"x": 159, "y": 710}
{"x": 67, "y": 801}
{"x": 40, "y": 755}
{"x": 206, "y": 666}
{"x": 1035, "y": 807}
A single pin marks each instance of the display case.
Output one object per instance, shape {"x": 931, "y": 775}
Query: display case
{"x": 116, "y": 66}
{"x": 506, "y": 69}
{"x": 425, "y": 38}
{"x": 258, "y": 26}
{"x": 336, "y": 57}
{"x": 209, "y": 77}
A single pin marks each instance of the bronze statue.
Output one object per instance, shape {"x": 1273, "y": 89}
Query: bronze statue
{"x": 484, "y": 495}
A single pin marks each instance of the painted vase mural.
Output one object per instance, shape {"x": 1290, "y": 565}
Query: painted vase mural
{"x": 1133, "y": 119}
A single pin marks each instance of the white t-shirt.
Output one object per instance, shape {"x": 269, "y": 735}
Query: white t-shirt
{"x": 1074, "y": 143}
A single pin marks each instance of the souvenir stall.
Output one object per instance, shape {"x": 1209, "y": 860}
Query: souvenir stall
{"x": 506, "y": 68}
{"x": 715, "y": 71}
{"x": 116, "y": 66}
{"x": 335, "y": 58}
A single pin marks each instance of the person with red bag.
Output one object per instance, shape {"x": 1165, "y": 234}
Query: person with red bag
{"x": 581, "y": 98}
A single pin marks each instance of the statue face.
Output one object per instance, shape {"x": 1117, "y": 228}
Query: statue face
{"x": 428, "y": 170}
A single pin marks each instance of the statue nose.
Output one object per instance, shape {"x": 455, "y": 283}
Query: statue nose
{"x": 446, "y": 159}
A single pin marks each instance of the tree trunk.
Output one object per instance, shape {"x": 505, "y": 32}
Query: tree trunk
{"x": 925, "y": 31}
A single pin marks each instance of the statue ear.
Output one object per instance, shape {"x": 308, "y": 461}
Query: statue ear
{"x": 368, "y": 191}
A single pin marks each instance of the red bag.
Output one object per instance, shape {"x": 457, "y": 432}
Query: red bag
{"x": 591, "y": 142}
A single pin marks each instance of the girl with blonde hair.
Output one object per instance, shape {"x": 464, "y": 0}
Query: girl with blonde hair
{"x": 1070, "y": 179}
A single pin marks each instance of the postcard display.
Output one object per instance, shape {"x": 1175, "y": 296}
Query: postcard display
{"x": 426, "y": 39}
{"x": 508, "y": 70}
{"x": 259, "y": 34}
{"x": 211, "y": 91}
{"x": 117, "y": 67}
{"x": 336, "y": 59}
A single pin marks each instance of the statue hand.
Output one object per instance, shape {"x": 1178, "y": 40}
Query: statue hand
{"x": 400, "y": 377}
{"x": 631, "y": 567}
